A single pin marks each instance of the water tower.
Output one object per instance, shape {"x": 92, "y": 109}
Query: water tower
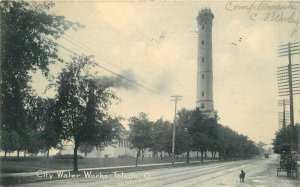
{"x": 205, "y": 63}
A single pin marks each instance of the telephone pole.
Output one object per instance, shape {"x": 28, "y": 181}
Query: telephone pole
{"x": 288, "y": 77}
{"x": 175, "y": 99}
{"x": 283, "y": 118}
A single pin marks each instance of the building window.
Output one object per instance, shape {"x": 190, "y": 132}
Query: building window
{"x": 202, "y": 94}
{"x": 202, "y": 76}
{"x": 202, "y": 59}
{"x": 202, "y": 105}
{"x": 202, "y": 26}
{"x": 202, "y": 42}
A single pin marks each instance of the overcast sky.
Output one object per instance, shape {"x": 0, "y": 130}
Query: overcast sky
{"x": 155, "y": 43}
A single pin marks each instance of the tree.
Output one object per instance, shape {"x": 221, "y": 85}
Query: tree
{"x": 85, "y": 148}
{"x": 82, "y": 106}
{"x": 183, "y": 140}
{"x": 48, "y": 135}
{"x": 110, "y": 131}
{"x": 25, "y": 47}
{"x": 161, "y": 136}
{"x": 8, "y": 141}
{"x": 29, "y": 136}
{"x": 224, "y": 140}
{"x": 230, "y": 144}
{"x": 194, "y": 132}
{"x": 212, "y": 128}
{"x": 201, "y": 131}
{"x": 140, "y": 133}
{"x": 282, "y": 141}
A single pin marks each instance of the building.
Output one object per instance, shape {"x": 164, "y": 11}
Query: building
{"x": 119, "y": 148}
{"x": 205, "y": 63}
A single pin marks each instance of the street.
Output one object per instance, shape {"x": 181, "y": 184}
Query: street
{"x": 259, "y": 172}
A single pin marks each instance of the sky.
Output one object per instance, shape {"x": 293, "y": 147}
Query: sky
{"x": 154, "y": 43}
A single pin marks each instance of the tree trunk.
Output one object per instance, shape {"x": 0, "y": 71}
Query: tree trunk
{"x": 215, "y": 154}
{"x": 24, "y": 153}
{"x": 205, "y": 154}
{"x": 187, "y": 157}
{"x": 202, "y": 155}
{"x": 5, "y": 154}
{"x": 197, "y": 154}
{"x": 18, "y": 153}
{"x": 47, "y": 153}
{"x": 142, "y": 154}
{"x": 137, "y": 156}
{"x": 75, "y": 167}
{"x": 161, "y": 156}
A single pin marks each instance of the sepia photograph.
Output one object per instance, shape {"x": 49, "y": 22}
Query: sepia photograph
{"x": 150, "y": 93}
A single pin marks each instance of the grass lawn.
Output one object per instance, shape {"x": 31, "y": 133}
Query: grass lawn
{"x": 32, "y": 164}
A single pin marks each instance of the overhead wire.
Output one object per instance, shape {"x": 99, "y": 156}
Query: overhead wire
{"x": 84, "y": 47}
{"x": 100, "y": 58}
{"x": 110, "y": 71}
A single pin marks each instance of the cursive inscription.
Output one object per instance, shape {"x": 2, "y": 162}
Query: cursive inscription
{"x": 279, "y": 12}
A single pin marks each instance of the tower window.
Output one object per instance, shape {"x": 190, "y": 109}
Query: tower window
{"x": 202, "y": 42}
{"x": 202, "y": 26}
{"x": 202, "y": 94}
{"x": 202, "y": 76}
{"x": 202, "y": 105}
{"x": 202, "y": 59}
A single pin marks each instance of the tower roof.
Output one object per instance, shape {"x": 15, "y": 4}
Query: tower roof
{"x": 205, "y": 16}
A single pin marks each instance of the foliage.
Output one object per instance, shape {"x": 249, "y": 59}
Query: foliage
{"x": 85, "y": 148}
{"x": 8, "y": 141}
{"x": 282, "y": 141}
{"x": 140, "y": 133}
{"x": 161, "y": 136}
{"x": 233, "y": 145}
{"x": 48, "y": 135}
{"x": 110, "y": 131}
{"x": 82, "y": 106}
{"x": 183, "y": 140}
{"x": 25, "y": 47}
{"x": 195, "y": 132}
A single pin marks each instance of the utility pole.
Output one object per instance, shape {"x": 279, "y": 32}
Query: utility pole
{"x": 283, "y": 119}
{"x": 288, "y": 86}
{"x": 175, "y": 99}
{"x": 283, "y": 125}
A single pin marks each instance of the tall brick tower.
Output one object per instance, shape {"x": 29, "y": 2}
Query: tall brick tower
{"x": 205, "y": 67}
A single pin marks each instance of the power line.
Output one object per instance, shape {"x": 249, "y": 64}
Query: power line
{"x": 289, "y": 50}
{"x": 121, "y": 76}
{"x": 84, "y": 47}
{"x": 94, "y": 13}
{"x": 91, "y": 11}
